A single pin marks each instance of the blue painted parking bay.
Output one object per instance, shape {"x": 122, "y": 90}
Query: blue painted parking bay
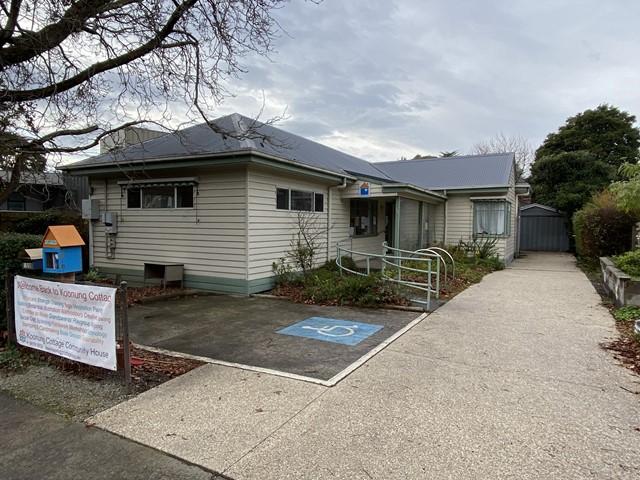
{"x": 332, "y": 330}
{"x": 308, "y": 340}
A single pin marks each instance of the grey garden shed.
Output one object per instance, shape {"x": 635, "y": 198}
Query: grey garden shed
{"x": 543, "y": 228}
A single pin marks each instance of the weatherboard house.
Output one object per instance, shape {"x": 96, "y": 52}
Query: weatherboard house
{"x": 225, "y": 202}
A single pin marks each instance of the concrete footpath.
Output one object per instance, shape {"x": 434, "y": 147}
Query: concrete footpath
{"x": 505, "y": 381}
{"x": 36, "y": 444}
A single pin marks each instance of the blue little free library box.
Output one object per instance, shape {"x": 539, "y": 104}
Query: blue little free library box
{"x": 62, "y": 250}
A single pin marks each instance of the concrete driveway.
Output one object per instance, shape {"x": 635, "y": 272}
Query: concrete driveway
{"x": 505, "y": 381}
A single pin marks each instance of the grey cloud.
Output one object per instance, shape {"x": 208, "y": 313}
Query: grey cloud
{"x": 440, "y": 75}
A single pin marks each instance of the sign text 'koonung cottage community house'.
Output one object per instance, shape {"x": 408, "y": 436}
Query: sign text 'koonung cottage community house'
{"x": 226, "y": 202}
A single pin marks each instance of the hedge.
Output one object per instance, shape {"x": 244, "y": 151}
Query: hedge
{"x": 11, "y": 248}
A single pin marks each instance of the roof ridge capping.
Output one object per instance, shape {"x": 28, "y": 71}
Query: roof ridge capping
{"x": 431, "y": 159}
{"x": 242, "y": 130}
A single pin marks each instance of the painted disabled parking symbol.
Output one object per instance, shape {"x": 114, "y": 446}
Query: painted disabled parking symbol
{"x": 332, "y": 330}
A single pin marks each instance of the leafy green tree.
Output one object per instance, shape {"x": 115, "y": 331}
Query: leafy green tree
{"x": 17, "y": 154}
{"x": 566, "y": 181}
{"x": 605, "y": 132}
{"x": 627, "y": 192}
{"x": 582, "y": 157}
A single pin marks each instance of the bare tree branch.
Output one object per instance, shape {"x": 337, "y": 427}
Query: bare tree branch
{"x": 501, "y": 143}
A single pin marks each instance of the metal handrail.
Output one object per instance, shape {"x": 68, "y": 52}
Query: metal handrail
{"x": 429, "y": 271}
{"x": 396, "y": 262}
{"x": 435, "y": 250}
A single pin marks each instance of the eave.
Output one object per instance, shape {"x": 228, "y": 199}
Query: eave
{"x": 409, "y": 190}
{"x": 243, "y": 157}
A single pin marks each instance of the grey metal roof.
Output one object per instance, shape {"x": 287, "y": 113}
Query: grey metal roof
{"x": 33, "y": 178}
{"x": 452, "y": 172}
{"x": 235, "y": 133}
{"x": 537, "y": 209}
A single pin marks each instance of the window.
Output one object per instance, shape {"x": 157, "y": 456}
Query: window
{"x": 17, "y": 202}
{"x": 301, "y": 201}
{"x": 492, "y": 218}
{"x": 282, "y": 199}
{"x": 160, "y": 196}
{"x": 364, "y": 217}
{"x": 287, "y": 199}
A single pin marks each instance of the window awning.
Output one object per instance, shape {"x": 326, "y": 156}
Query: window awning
{"x": 159, "y": 182}
{"x": 489, "y": 198}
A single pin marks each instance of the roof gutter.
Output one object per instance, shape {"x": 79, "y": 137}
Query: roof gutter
{"x": 124, "y": 164}
{"x": 419, "y": 190}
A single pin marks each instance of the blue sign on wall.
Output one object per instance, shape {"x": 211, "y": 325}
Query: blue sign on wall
{"x": 332, "y": 330}
{"x": 364, "y": 189}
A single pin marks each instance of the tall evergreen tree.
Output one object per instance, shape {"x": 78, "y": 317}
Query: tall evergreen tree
{"x": 582, "y": 157}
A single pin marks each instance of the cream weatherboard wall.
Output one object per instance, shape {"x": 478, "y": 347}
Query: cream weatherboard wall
{"x": 459, "y": 219}
{"x": 271, "y": 230}
{"x": 209, "y": 239}
{"x": 341, "y": 208}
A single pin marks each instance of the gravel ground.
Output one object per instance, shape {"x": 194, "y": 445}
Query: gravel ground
{"x": 78, "y": 391}
{"x": 64, "y": 393}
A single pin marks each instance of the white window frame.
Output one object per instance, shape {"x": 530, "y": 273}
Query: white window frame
{"x": 316, "y": 197}
{"x": 138, "y": 187}
{"x": 491, "y": 218}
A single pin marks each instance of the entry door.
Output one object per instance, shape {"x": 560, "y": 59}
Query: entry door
{"x": 389, "y": 222}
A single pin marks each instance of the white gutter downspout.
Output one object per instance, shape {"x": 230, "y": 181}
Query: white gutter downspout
{"x": 518, "y": 221}
{"x": 446, "y": 211}
{"x": 329, "y": 201}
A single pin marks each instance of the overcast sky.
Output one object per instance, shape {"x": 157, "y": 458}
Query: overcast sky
{"x": 395, "y": 78}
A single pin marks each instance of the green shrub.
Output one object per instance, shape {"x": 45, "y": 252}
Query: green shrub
{"x": 627, "y": 314}
{"x": 37, "y": 224}
{"x": 282, "y": 270}
{"x": 629, "y": 263}
{"x": 93, "y": 275}
{"x": 601, "y": 228}
{"x": 11, "y": 247}
{"x": 480, "y": 248}
{"x": 325, "y": 285}
{"x": 347, "y": 262}
{"x": 12, "y": 358}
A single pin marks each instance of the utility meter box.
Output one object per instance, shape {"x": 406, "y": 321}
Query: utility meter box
{"x": 62, "y": 250}
{"x": 110, "y": 220}
{"x": 90, "y": 209}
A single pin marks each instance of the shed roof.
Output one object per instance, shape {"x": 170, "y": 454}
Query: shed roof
{"x": 62, "y": 236}
{"x": 444, "y": 173}
{"x": 537, "y": 209}
{"x": 231, "y": 134}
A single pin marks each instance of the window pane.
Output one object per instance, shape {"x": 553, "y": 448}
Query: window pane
{"x": 133, "y": 198}
{"x": 158, "y": 197}
{"x": 16, "y": 202}
{"x": 301, "y": 201}
{"x": 282, "y": 199}
{"x": 363, "y": 217}
{"x": 185, "y": 197}
{"x": 319, "y": 200}
{"x": 490, "y": 218}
